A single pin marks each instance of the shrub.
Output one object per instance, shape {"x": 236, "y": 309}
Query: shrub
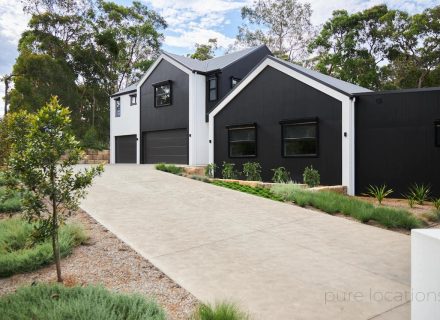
{"x": 436, "y": 204}
{"x": 379, "y": 192}
{"x": 280, "y": 175}
{"x": 91, "y": 140}
{"x": 10, "y": 201}
{"x": 252, "y": 171}
{"x": 219, "y": 311}
{"x": 57, "y": 302}
{"x": 257, "y": 191}
{"x": 311, "y": 177}
{"x": 419, "y": 192}
{"x": 228, "y": 171}
{"x": 170, "y": 168}
{"x": 210, "y": 170}
{"x": 21, "y": 252}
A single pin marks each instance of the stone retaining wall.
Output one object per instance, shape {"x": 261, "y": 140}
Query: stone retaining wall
{"x": 96, "y": 157}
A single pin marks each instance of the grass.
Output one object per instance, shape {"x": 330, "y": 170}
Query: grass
{"x": 219, "y": 311}
{"x": 171, "y": 168}
{"x": 9, "y": 201}
{"x": 333, "y": 203}
{"x": 19, "y": 253}
{"x": 56, "y": 302}
{"x": 258, "y": 191}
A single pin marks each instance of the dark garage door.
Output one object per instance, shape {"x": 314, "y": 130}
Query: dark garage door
{"x": 125, "y": 147}
{"x": 170, "y": 146}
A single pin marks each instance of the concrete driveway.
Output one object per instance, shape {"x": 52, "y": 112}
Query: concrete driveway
{"x": 276, "y": 260}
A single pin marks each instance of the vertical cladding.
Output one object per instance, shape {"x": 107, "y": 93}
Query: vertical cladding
{"x": 270, "y": 98}
{"x": 395, "y": 140}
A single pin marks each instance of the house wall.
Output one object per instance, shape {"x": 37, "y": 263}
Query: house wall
{"x": 269, "y": 98}
{"x": 395, "y": 142}
{"x": 126, "y": 124}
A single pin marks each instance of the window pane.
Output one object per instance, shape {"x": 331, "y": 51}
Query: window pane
{"x": 212, "y": 83}
{"x": 165, "y": 89}
{"x": 133, "y": 99}
{"x": 242, "y": 134}
{"x": 212, "y": 94}
{"x": 242, "y": 149}
{"x": 118, "y": 111}
{"x": 300, "y": 147}
{"x": 299, "y": 131}
{"x": 163, "y": 95}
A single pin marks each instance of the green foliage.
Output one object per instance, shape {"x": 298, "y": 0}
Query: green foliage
{"x": 205, "y": 51}
{"x": 411, "y": 201}
{"x": 252, "y": 171}
{"x": 91, "y": 140}
{"x": 281, "y": 175}
{"x": 56, "y": 302}
{"x": 10, "y": 200}
{"x": 333, "y": 203}
{"x": 379, "y": 192}
{"x": 219, "y": 311}
{"x": 258, "y": 191}
{"x": 228, "y": 171}
{"x": 43, "y": 152}
{"x": 210, "y": 170}
{"x": 200, "y": 178}
{"x": 21, "y": 250}
{"x": 311, "y": 177}
{"x": 436, "y": 204}
{"x": 419, "y": 192}
{"x": 171, "y": 168}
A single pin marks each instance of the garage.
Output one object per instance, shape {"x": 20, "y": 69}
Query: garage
{"x": 170, "y": 146}
{"x": 125, "y": 147}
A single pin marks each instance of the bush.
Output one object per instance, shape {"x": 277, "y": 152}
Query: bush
{"x": 280, "y": 175}
{"x": 210, "y": 170}
{"x": 19, "y": 252}
{"x": 219, "y": 311}
{"x": 56, "y": 302}
{"x": 257, "y": 191}
{"x": 228, "y": 171}
{"x": 311, "y": 177}
{"x": 171, "y": 168}
{"x": 10, "y": 201}
{"x": 419, "y": 192}
{"x": 379, "y": 193}
{"x": 436, "y": 204}
{"x": 91, "y": 140}
{"x": 252, "y": 171}
{"x": 332, "y": 203}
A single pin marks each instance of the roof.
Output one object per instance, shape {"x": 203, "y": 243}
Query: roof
{"x": 130, "y": 88}
{"x": 339, "y": 85}
{"x": 214, "y": 63}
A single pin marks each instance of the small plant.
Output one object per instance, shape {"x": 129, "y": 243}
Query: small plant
{"x": 252, "y": 171}
{"x": 311, "y": 177}
{"x": 210, "y": 170}
{"x": 219, "y": 311}
{"x": 436, "y": 204}
{"x": 228, "y": 171}
{"x": 170, "y": 168}
{"x": 281, "y": 175}
{"x": 411, "y": 202}
{"x": 379, "y": 192}
{"x": 420, "y": 192}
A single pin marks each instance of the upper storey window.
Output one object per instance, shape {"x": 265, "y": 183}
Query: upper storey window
{"x": 162, "y": 94}
{"x": 212, "y": 86}
{"x": 117, "y": 107}
{"x": 132, "y": 99}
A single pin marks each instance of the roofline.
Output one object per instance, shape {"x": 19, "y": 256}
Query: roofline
{"x": 411, "y": 90}
{"x": 117, "y": 94}
{"x": 252, "y": 51}
{"x": 175, "y": 60}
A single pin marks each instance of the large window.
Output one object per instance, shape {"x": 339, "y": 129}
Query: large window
{"x": 437, "y": 133}
{"x": 132, "y": 99}
{"x": 242, "y": 141}
{"x": 117, "y": 107}
{"x": 162, "y": 94}
{"x": 300, "y": 138}
{"x": 212, "y": 86}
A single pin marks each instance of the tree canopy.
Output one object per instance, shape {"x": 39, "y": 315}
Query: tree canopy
{"x": 205, "y": 51}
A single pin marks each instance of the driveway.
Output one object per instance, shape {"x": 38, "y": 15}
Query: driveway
{"x": 276, "y": 260}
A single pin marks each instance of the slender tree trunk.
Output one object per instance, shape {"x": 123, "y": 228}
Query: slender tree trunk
{"x": 55, "y": 242}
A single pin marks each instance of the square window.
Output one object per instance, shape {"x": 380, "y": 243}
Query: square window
{"x": 437, "y": 133}
{"x": 117, "y": 107}
{"x": 234, "y": 81}
{"x": 132, "y": 99}
{"x": 300, "y": 138}
{"x": 212, "y": 87}
{"x": 162, "y": 94}
{"x": 242, "y": 141}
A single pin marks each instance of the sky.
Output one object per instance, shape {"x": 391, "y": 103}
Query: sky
{"x": 189, "y": 22}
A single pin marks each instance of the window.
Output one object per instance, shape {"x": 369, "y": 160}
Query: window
{"x": 234, "y": 81}
{"x": 117, "y": 107}
{"x": 212, "y": 85}
{"x": 242, "y": 141}
{"x": 132, "y": 99}
{"x": 437, "y": 133}
{"x": 162, "y": 94}
{"x": 300, "y": 138}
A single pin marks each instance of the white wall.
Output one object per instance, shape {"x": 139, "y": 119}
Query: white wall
{"x": 425, "y": 274}
{"x": 126, "y": 124}
{"x": 199, "y": 132}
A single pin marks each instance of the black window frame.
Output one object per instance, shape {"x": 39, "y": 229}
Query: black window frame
{"x": 131, "y": 99}
{"x": 234, "y": 79}
{"x": 160, "y": 84}
{"x": 300, "y": 122}
{"x": 240, "y": 127}
{"x": 117, "y": 107}
{"x": 212, "y": 77}
{"x": 437, "y": 132}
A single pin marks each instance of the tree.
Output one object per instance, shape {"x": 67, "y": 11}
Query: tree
{"x": 205, "y": 51}
{"x": 43, "y": 151}
{"x": 283, "y": 25}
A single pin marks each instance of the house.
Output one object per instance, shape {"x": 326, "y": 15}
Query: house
{"x": 281, "y": 114}
{"x": 164, "y": 117}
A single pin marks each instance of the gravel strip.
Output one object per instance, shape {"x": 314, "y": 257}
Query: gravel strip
{"x": 106, "y": 260}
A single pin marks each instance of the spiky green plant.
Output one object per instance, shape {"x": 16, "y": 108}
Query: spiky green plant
{"x": 420, "y": 192}
{"x": 219, "y": 311}
{"x": 379, "y": 192}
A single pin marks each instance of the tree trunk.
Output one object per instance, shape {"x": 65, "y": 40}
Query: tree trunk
{"x": 55, "y": 242}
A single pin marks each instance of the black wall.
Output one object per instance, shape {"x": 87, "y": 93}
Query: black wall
{"x": 274, "y": 96}
{"x": 395, "y": 142}
{"x": 239, "y": 69}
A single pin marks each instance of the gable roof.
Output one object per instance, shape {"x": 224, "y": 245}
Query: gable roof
{"x": 128, "y": 89}
{"x": 214, "y": 63}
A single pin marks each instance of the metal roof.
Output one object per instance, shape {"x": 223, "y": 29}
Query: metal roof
{"x": 130, "y": 88}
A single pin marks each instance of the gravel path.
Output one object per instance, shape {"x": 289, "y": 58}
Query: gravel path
{"x": 106, "y": 260}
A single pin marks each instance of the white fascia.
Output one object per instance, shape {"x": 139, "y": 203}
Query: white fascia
{"x": 347, "y": 116}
